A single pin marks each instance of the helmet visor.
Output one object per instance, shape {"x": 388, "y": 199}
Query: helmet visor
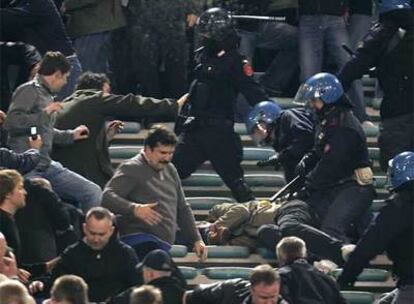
{"x": 305, "y": 94}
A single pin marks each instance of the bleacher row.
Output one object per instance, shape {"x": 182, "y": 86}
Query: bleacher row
{"x": 204, "y": 189}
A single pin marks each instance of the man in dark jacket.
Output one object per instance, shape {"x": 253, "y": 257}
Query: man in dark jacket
{"x": 263, "y": 287}
{"x": 92, "y": 104}
{"x": 389, "y": 48}
{"x": 106, "y": 264}
{"x": 301, "y": 282}
{"x": 290, "y": 132}
{"x": 157, "y": 270}
{"x": 391, "y": 231}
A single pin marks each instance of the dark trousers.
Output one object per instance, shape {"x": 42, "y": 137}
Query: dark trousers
{"x": 296, "y": 218}
{"x": 396, "y": 136}
{"x": 341, "y": 207}
{"x": 222, "y": 147}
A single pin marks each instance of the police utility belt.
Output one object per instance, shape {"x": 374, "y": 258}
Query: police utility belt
{"x": 207, "y": 122}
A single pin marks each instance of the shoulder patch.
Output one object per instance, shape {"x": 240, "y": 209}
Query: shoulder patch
{"x": 247, "y": 68}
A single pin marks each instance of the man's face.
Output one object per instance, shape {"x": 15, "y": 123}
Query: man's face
{"x": 159, "y": 156}
{"x": 59, "y": 81}
{"x": 18, "y": 196}
{"x": 97, "y": 232}
{"x": 259, "y": 134}
{"x": 265, "y": 294}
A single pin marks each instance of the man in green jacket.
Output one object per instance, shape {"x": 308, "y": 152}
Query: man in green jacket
{"x": 92, "y": 104}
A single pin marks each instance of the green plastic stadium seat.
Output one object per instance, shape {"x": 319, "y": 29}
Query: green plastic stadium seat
{"x": 178, "y": 251}
{"x": 203, "y": 180}
{"x": 371, "y": 131}
{"x": 189, "y": 273}
{"x": 131, "y": 127}
{"x": 358, "y": 297}
{"x": 225, "y": 273}
{"x": 123, "y": 151}
{"x": 368, "y": 275}
{"x": 377, "y": 205}
{"x": 206, "y": 202}
{"x": 368, "y": 82}
{"x": 373, "y": 153}
{"x": 257, "y": 153}
{"x": 266, "y": 253}
{"x": 240, "y": 128}
{"x": 228, "y": 252}
{"x": 380, "y": 181}
{"x": 264, "y": 180}
{"x": 376, "y": 103}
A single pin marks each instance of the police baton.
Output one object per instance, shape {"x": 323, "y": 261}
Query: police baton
{"x": 293, "y": 184}
{"x": 260, "y": 18}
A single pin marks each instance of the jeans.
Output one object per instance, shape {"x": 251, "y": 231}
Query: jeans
{"x": 93, "y": 51}
{"x": 281, "y": 38}
{"x": 70, "y": 185}
{"x": 320, "y": 41}
{"x": 75, "y": 72}
{"x": 358, "y": 27}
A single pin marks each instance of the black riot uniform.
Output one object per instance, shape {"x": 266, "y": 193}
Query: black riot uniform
{"x": 330, "y": 186}
{"x": 293, "y": 138}
{"x": 208, "y": 133}
{"x": 389, "y": 47}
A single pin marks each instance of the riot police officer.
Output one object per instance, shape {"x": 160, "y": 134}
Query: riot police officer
{"x": 221, "y": 73}
{"x": 338, "y": 179}
{"x": 290, "y": 132}
{"x": 389, "y": 47}
{"x": 391, "y": 231}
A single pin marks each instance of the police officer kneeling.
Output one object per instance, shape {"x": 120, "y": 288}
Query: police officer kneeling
{"x": 391, "y": 231}
{"x": 338, "y": 179}
{"x": 290, "y": 132}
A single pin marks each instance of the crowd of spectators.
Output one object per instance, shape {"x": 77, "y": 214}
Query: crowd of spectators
{"x": 75, "y": 230}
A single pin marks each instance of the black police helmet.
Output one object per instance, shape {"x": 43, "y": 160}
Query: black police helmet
{"x": 215, "y": 23}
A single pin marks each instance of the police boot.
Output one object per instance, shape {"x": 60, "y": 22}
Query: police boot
{"x": 241, "y": 191}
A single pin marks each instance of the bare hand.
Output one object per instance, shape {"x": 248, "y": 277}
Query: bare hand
{"x": 147, "y": 213}
{"x": 35, "y": 287}
{"x": 191, "y": 20}
{"x": 181, "y": 102}
{"x": 23, "y": 275}
{"x": 81, "y": 132}
{"x": 53, "y": 107}
{"x": 35, "y": 143}
{"x": 9, "y": 268}
{"x": 34, "y": 71}
{"x": 114, "y": 127}
{"x": 2, "y": 117}
{"x": 200, "y": 250}
{"x": 51, "y": 264}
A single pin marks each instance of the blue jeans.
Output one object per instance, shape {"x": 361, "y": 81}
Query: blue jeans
{"x": 93, "y": 51}
{"x": 70, "y": 185}
{"x": 320, "y": 41}
{"x": 75, "y": 72}
{"x": 358, "y": 27}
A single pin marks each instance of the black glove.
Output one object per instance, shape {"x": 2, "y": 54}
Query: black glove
{"x": 271, "y": 161}
{"x": 302, "y": 194}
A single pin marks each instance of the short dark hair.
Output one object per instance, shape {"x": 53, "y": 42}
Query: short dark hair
{"x": 92, "y": 81}
{"x": 160, "y": 135}
{"x": 70, "y": 288}
{"x": 146, "y": 294}
{"x": 53, "y": 62}
{"x": 99, "y": 213}
{"x": 264, "y": 274}
{"x": 8, "y": 181}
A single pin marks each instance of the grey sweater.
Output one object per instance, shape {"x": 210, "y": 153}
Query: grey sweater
{"x": 27, "y": 110}
{"x": 135, "y": 181}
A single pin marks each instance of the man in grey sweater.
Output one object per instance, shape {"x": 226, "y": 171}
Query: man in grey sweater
{"x": 147, "y": 194}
